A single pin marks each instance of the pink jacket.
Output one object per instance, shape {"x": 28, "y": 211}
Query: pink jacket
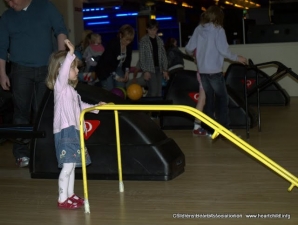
{"x": 67, "y": 102}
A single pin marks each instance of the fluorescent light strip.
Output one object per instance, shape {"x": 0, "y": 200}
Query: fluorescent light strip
{"x": 93, "y": 9}
{"x": 164, "y": 18}
{"x": 98, "y": 9}
{"x": 127, "y": 14}
{"x": 94, "y": 17}
{"x": 98, "y": 23}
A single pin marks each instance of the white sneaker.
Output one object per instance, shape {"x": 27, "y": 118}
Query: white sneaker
{"x": 22, "y": 162}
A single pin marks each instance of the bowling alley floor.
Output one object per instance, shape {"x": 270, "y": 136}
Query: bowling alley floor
{"x": 221, "y": 185}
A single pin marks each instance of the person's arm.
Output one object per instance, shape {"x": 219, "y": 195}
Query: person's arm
{"x": 58, "y": 25}
{"x": 85, "y": 105}
{"x": 192, "y": 43}
{"x": 223, "y": 46}
{"x": 187, "y": 57}
{"x": 63, "y": 76}
{"x": 127, "y": 62}
{"x": 135, "y": 72}
{"x": 144, "y": 52}
{"x": 60, "y": 39}
{"x": 4, "y": 80}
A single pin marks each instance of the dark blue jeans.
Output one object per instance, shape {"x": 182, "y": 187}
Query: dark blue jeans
{"x": 28, "y": 88}
{"x": 217, "y": 98}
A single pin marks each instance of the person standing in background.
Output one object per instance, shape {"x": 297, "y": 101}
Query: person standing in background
{"x": 210, "y": 42}
{"x": 153, "y": 59}
{"x": 26, "y": 33}
{"x": 175, "y": 56}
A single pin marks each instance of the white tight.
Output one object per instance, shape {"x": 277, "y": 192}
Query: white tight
{"x": 66, "y": 181}
{"x": 202, "y": 98}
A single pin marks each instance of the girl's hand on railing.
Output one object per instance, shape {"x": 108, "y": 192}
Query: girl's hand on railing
{"x": 101, "y": 103}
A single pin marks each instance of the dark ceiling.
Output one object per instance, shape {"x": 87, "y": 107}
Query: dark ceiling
{"x": 194, "y": 3}
{"x": 263, "y": 3}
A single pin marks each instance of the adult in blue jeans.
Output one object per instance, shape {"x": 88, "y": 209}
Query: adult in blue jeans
{"x": 210, "y": 42}
{"x": 26, "y": 33}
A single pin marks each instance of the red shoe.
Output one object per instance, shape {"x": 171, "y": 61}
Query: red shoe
{"x": 68, "y": 204}
{"x": 200, "y": 132}
{"x": 76, "y": 199}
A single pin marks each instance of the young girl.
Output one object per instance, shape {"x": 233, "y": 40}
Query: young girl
{"x": 93, "y": 52}
{"x": 198, "y": 130}
{"x": 209, "y": 40}
{"x": 62, "y": 78}
{"x": 175, "y": 56}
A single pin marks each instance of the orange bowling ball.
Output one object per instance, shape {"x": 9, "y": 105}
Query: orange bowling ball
{"x": 134, "y": 92}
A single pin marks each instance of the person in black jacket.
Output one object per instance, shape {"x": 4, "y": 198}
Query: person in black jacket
{"x": 113, "y": 67}
{"x": 175, "y": 56}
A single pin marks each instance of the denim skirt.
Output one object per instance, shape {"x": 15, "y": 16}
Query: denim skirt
{"x": 68, "y": 149}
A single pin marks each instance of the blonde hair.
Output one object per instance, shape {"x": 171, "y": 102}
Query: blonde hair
{"x": 126, "y": 31}
{"x": 213, "y": 14}
{"x": 86, "y": 38}
{"x": 94, "y": 37}
{"x": 56, "y": 61}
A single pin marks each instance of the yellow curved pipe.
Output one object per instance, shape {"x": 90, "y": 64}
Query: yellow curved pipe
{"x": 218, "y": 129}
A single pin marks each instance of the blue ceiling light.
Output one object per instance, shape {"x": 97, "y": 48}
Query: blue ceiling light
{"x": 93, "y": 9}
{"x": 126, "y": 14}
{"x": 164, "y": 18}
{"x": 94, "y": 17}
{"x": 98, "y": 23}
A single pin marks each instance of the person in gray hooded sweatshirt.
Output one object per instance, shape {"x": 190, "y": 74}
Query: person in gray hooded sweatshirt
{"x": 210, "y": 42}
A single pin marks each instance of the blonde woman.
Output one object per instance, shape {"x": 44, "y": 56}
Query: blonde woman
{"x": 113, "y": 67}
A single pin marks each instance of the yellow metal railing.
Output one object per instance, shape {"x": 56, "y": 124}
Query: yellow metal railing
{"x": 218, "y": 129}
